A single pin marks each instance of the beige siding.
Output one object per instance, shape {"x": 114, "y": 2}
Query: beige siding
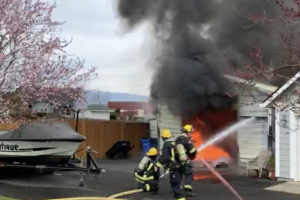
{"x": 252, "y": 139}
{"x": 153, "y": 128}
{"x": 284, "y": 144}
{"x": 166, "y": 120}
{"x": 248, "y": 104}
{"x": 169, "y": 121}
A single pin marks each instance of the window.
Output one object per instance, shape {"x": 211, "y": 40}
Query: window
{"x": 65, "y": 112}
{"x": 43, "y": 110}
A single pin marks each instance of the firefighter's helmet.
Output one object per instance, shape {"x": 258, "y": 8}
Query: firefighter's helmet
{"x": 188, "y": 128}
{"x": 166, "y": 133}
{"x": 152, "y": 152}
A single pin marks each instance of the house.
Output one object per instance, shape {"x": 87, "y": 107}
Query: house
{"x": 101, "y": 112}
{"x": 42, "y": 107}
{"x": 277, "y": 125}
{"x": 258, "y": 135}
{"x": 285, "y": 115}
{"x": 248, "y": 141}
{"x": 131, "y": 110}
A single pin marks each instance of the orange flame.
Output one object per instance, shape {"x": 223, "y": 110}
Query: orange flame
{"x": 209, "y": 154}
{"x": 206, "y": 124}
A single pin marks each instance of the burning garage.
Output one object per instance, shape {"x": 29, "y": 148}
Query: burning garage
{"x": 205, "y": 126}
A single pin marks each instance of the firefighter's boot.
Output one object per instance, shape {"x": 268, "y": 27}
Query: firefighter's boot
{"x": 190, "y": 194}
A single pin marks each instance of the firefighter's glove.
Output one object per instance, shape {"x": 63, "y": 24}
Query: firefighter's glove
{"x": 192, "y": 156}
{"x": 138, "y": 171}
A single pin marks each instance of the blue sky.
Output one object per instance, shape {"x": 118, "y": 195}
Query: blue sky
{"x": 121, "y": 59}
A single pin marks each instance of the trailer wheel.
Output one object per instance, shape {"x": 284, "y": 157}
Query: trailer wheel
{"x": 81, "y": 182}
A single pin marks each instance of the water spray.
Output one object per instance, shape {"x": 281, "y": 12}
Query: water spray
{"x": 224, "y": 133}
{"x": 217, "y": 138}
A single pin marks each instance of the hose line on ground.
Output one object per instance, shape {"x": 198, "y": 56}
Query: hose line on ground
{"x": 126, "y": 193}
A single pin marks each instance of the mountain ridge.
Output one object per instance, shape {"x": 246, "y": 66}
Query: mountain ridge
{"x": 102, "y": 97}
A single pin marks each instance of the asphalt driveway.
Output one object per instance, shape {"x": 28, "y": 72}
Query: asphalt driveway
{"x": 119, "y": 178}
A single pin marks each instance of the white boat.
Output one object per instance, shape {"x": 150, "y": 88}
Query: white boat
{"x": 39, "y": 143}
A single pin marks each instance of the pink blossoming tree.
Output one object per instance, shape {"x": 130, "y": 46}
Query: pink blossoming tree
{"x": 285, "y": 22}
{"x": 33, "y": 63}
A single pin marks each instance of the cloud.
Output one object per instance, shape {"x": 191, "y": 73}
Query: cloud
{"x": 95, "y": 30}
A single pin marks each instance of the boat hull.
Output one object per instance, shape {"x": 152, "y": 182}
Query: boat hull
{"x": 41, "y": 152}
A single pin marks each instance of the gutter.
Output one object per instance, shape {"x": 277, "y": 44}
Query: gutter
{"x": 280, "y": 90}
{"x": 261, "y": 86}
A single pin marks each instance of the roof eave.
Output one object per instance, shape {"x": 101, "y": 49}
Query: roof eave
{"x": 260, "y": 86}
{"x": 279, "y": 91}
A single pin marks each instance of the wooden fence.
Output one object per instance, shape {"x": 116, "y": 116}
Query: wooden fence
{"x": 101, "y": 135}
{"x": 8, "y": 126}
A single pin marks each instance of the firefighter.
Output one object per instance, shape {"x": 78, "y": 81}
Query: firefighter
{"x": 147, "y": 173}
{"x": 186, "y": 152}
{"x": 169, "y": 162}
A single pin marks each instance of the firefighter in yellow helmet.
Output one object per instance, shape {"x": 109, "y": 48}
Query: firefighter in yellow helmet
{"x": 147, "y": 173}
{"x": 169, "y": 161}
{"x": 186, "y": 151}
{"x": 166, "y": 134}
{"x": 187, "y": 129}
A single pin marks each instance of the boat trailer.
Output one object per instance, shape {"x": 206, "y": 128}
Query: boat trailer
{"x": 91, "y": 166}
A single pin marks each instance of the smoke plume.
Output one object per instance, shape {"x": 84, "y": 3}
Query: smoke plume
{"x": 198, "y": 39}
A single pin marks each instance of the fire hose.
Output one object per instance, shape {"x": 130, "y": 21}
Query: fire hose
{"x": 216, "y": 138}
{"x": 216, "y": 174}
{"x": 126, "y": 193}
{"x": 112, "y": 197}
{"x": 221, "y": 179}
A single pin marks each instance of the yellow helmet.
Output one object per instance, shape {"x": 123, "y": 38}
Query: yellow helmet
{"x": 166, "y": 133}
{"x": 152, "y": 152}
{"x": 188, "y": 128}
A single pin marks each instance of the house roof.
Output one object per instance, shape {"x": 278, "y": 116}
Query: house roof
{"x": 280, "y": 90}
{"x": 131, "y": 106}
{"x": 260, "y": 86}
{"x": 97, "y": 107}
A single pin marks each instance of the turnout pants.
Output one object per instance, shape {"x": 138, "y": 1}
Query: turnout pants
{"x": 176, "y": 179}
{"x": 148, "y": 184}
{"x": 188, "y": 177}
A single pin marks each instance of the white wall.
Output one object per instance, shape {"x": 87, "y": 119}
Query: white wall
{"x": 287, "y": 145}
{"x": 153, "y": 128}
{"x": 89, "y": 114}
{"x": 169, "y": 121}
{"x": 141, "y": 112}
{"x": 283, "y": 143}
{"x": 248, "y": 103}
{"x": 298, "y": 149}
{"x": 166, "y": 120}
{"x": 41, "y": 107}
{"x": 252, "y": 139}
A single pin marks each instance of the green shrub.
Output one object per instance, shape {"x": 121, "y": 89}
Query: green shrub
{"x": 272, "y": 163}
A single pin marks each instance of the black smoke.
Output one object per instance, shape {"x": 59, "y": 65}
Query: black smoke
{"x": 199, "y": 39}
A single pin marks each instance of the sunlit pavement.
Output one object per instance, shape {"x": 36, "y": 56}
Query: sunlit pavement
{"x": 119, "y": 178}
